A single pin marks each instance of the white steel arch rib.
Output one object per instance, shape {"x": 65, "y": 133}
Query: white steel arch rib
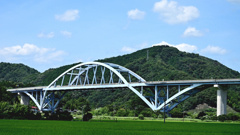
{"x": 33, "y": 99}
{"x": 178, "y": 94}
{"x": 131, "y": 72}
{"x": 111, "y": 67}
{"x": 116, "y": 69}
{"x": 90, "y": 63}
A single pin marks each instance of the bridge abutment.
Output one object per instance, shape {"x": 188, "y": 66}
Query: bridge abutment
{"x": 24, "y": 99}
{"x": 221, "y": 100}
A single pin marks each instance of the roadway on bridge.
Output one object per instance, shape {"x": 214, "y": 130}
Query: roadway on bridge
{"x": 133, "y": 84}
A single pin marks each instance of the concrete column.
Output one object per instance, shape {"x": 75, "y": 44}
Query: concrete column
{"x": 24, "y": 99}
{"x": 221, "y": 102}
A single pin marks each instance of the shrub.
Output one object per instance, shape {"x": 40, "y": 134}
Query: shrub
{"x": 4, "y": 107}
{"x": 193, "y": 115}
{"x": 176, "y": 112}
{"x": 141, "y": 117}
{"x": 87, "y": 117}
{"x": 201, "y": 114}
{"x": 38, "y": 116}
{"x": 58, "y": 115}
{"x": 46, "y": 115}
{"x": 53, "y": 116}
{"x": 79, "y": 112}
{"x": 232, "y": 116}
{"x": 222, "y": 118}
{"x": 65, "y": 116}
{"x": 146, "y": 113}
{"x": 211, "y": 110}
{"x": 189, "y": 117}
{"x": 131, "y": 114}
{"x": 162, "y": 115}
{"x": 111, "y": 113}
{"x": 154, "y": 115}
{"x": 121, "y": 112}
{"x": 206, "y": 117}
{"x": 214, "y": 118}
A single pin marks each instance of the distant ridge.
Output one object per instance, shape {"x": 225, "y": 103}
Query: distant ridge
{"x": 17, "y": 73}
{"x": 163, "y": 62}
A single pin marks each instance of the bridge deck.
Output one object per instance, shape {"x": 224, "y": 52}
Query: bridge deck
{"x": 133, "y": 84}
{"x": 203, "y": 81}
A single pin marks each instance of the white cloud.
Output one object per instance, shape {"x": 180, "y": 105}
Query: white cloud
{"x": 135, "y": 48}
{"x": 192, "y": 32}
{"x": 30, "y": 52}
{"x": 173, "y": 13}
{"x": 66, "y": 33}
{"x": 214, "y": 50}
{"x": 80, "y": 60}
{"x": 69, "y": 15}
{"x": 136, "y": 14}
{"x": 50, "y": 57}
{"x": 26, "y": 49}
{"x": 128, "y": 49}
{"x": 181, "y": 47}
{"x": 234, "y": 1}
{"x": 49, "y": 35}
{"x": 143, "y": 45}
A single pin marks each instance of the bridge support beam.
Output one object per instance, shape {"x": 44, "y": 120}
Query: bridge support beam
{"x": 24, "y": 99}
{"x": 221, "y": 102}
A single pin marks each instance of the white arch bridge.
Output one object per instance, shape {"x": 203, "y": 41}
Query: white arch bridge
{"x": 158, "y": 95}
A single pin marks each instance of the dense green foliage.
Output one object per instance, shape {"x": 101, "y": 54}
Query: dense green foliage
{"x": 17, "y": 111}
{"x": 58, "y": 115}
{"x": 163, "y": 62}
{"x": 24, "y": 127}
{"x": 17, "y": 73}
{"x": 8, "y": 96}
{"x": 170, "y": 64}
{"x": 11, "y": 109}
{"x": 49, "y": 75}
{"x": 141, "y": 117}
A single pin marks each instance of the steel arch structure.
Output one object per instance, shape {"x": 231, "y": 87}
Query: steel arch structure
{"x": 108, "y": 76}
{"x": 79, "y": 79}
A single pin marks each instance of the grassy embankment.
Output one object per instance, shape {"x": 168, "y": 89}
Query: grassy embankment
{"x": 24, "y": 127}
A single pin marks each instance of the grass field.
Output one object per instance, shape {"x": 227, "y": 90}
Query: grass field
{"x": 43, "y": 127}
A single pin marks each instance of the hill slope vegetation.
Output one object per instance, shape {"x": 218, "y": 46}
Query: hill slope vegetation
{"x": 163, "y": 62}
{"x": 17, "y": 73}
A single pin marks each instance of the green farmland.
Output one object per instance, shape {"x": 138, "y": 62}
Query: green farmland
{"x": 43, "y": 127}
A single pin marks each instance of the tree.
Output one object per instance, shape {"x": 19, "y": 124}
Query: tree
{"x": 223, "y": 117}
{"x": 121, "y": 112}
{"x": 176, "y": 112}
{"x": 141, "y": 117}
{"x": 201, "y": 114}
{"x": 86, "y": 108}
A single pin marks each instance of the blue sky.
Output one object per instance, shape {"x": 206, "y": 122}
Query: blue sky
{"x": 51, "y": 33}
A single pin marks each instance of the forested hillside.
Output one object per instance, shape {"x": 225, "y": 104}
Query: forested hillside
{"x": 163, "y": 62}
{"x": 17, "y": 73}
{"x": 49, "y": 75}
{"x": 168, "y": 63}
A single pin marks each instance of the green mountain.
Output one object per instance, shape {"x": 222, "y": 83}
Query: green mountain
{"x": 17, "y": 73}
{"x": 163, "y": 62}
{"x": 169, "y": 63}
{"x": 45, "y": 78}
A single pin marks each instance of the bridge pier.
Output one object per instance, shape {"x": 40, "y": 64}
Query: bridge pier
{"x": 221, "y": 100}
{"x": 24, "y": 99}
